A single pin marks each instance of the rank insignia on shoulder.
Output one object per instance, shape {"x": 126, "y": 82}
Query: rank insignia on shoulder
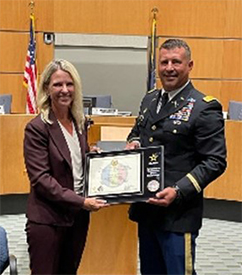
{"x": 151, "y": 91}
{"x": 209, "y": 98}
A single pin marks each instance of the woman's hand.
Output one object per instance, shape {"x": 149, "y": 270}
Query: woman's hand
{"x": 132, "y": 145}
{"x": 92, "y": 204}
{"x": 95, "y": 149}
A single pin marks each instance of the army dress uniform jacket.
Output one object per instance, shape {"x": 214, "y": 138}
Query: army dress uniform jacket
{"x": 191, "y": 129}
{"x": 51, "y": 200}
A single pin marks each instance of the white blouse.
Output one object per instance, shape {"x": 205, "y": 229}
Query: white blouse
{"x": 76, "y": 157}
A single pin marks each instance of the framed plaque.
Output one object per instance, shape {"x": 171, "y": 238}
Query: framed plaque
{"x": 125, "y": 176}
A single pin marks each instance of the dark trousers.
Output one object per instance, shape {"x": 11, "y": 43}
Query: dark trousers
{"x": 54, "y": 249}
{"x": 166, "y": 253}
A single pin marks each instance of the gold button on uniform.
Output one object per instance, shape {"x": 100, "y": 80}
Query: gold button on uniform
{"x": 174, "y": 131}
{"x": 151, "y": 139}
{"x": 153, "y": 127}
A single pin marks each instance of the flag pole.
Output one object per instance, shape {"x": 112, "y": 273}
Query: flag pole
{"x": 151, "y": 79}
{"x": 30, "y": 71}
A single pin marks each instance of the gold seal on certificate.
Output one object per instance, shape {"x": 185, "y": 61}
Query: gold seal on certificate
{"x": 125, "y": 176}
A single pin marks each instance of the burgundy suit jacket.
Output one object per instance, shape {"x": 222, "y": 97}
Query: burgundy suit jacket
{"x": 48, "y": 162}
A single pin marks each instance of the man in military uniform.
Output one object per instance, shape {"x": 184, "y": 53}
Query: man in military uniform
{"x": 190, "y": 126}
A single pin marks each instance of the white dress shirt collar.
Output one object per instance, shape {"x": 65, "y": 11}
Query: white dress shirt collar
{"x": 172, "y": 94}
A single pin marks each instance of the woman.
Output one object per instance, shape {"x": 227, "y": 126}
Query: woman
{"x": 54, "y": 150}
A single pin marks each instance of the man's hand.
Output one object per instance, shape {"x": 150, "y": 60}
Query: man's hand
{"x": 164, "y": 197}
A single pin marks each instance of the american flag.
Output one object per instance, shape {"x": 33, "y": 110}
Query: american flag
{"x": 151, "y": 80}
{"x": 30, "y": 73}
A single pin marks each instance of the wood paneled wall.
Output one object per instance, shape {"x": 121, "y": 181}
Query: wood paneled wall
{"x": 197, "y": 18}
{"x": 13, "y": 174}
{"x": 229, "y": 185}
{"x": 13, "y": 51}
{"x": 213, "y": 28}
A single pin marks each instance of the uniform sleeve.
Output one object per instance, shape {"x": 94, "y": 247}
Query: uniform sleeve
{"x": 36, "y": 155}
{"x": 210, "y": 148}
{"x": 134, "y": 135}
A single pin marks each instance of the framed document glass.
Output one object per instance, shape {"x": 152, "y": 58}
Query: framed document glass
{"x": 124, "y": 176}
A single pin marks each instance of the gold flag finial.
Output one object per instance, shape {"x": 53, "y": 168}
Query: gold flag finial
{"x": 154, "y": 11}
{"x": 31, "y": 5}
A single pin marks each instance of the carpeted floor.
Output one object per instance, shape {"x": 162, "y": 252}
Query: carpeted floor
{"x": 219, "y": 246}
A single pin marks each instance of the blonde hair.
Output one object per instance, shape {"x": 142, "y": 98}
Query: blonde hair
{"x": 43, "y": 99}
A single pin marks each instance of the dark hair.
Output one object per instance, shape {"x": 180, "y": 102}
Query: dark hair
{"x": 176, "y": 43}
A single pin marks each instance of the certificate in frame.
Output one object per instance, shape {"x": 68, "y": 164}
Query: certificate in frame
{"x": 125, "y": 176}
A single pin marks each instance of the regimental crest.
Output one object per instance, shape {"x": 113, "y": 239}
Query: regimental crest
{"x": 185, "y": 112}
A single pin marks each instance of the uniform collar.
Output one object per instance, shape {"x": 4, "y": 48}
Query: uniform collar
{"x": 173, "y": 105}
{"x": 172, "y": 94}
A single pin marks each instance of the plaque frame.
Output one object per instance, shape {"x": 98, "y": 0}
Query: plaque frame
{"x": 124, "y": 176}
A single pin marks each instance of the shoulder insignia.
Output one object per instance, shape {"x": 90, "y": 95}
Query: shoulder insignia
{"x": 151, "y": 91}
{"x": 209, "y": 98}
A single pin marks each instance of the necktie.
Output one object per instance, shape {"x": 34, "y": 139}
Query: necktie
{"x": 165, "y": 99}
{"x": 162, "y": 102}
